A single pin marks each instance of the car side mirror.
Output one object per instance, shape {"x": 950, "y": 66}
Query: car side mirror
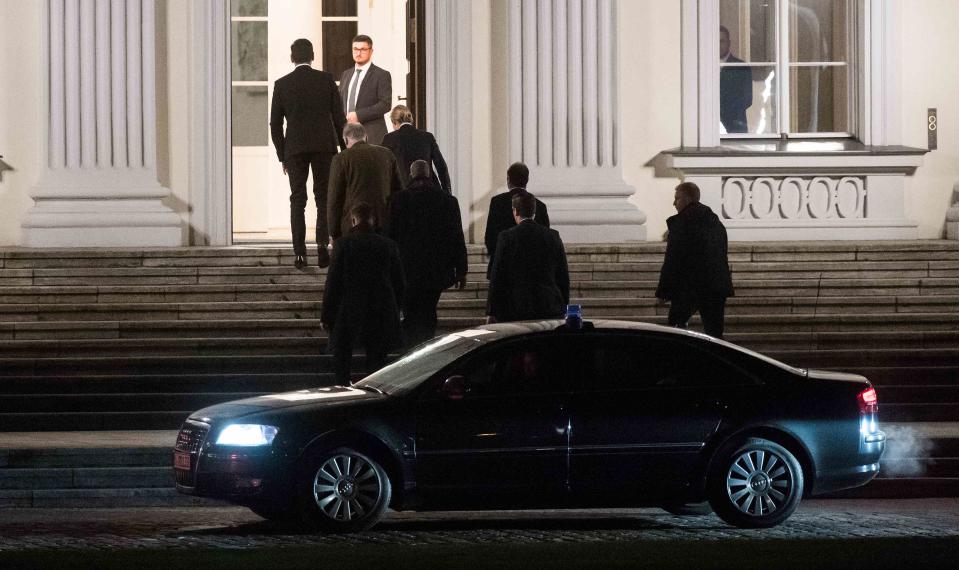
{"x": 455, "y": 388}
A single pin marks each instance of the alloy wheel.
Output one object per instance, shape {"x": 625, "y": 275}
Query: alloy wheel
{"x": 347, "y": 488}
{"x": 759, "y": 482}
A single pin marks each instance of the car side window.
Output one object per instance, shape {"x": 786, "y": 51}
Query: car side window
{"x": 526, "y": 367}
{"x": 633, "y": 362}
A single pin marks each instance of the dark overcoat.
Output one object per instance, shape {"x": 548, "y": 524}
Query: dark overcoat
{"x": 409, "y": 145}
{"x": 501, "y": 219}
{"x": 696, "y": 265}
{"x": 426, "y": 225}
{"x": 530, "y": 277}
{"x": 364, "y": 290}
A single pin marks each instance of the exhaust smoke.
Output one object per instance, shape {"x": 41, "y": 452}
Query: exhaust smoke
{"x": 907, "y": 452}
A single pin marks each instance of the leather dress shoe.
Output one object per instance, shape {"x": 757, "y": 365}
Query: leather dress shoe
{"x": 299, "y": 261}
{"x": 323, "y": 256}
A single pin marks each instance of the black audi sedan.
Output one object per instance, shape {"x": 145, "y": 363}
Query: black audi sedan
{"x": 536, "y": 415}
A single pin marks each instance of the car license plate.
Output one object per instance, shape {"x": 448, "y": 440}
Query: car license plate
{"x": 181, "y": 460}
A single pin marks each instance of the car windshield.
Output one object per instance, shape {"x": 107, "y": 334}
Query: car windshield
{"x": 420, "y": 363}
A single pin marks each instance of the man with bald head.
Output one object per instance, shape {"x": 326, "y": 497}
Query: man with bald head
{"x": 425, "y": 222}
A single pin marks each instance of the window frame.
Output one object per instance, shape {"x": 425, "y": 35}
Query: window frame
{"x": 877, "y": 102}
{"x": 784, "y": 67}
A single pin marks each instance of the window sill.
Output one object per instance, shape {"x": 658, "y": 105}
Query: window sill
{"x": 826, "y": 156}
{"x": 795, "y": 147}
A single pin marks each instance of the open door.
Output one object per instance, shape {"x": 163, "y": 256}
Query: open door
{"x": 261, "y": 34}
{"x": 416, "y": 55}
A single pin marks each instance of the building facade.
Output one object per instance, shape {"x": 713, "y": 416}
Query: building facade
{"x": 142, "y": 123}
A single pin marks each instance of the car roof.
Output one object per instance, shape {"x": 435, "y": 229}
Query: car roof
{"x": 499, "y": 331}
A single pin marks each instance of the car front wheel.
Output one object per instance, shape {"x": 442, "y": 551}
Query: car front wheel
{"x": 344, "y": 490}
{"x": 755, "y": 483}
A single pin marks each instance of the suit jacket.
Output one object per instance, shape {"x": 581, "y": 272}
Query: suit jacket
{"x": 307, "y": 98}
{"x": 425, "y": 223}
{"x": 409, "y": 145}
{"x": 735, "y": 96}
{"x": 372, "y": 102}
{"x": 363, "y": 173}
{"x": 530, "y": 277}
{"x": 364, "y": 290}
{"x": 501, "y": 218}
{"x": 696, "y": 264}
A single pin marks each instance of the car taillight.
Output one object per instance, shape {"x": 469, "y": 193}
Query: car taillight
{"x": 868, "y": 402}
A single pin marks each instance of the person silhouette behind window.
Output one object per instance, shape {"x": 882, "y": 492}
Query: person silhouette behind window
{"x": 735, "y": 88}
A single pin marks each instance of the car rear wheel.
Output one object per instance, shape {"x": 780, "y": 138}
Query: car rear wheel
{"x": 344, "y": 490}
{"x": 755, "y": 483}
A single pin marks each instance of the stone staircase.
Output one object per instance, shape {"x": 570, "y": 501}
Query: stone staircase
{"x": 89, "y": 469}
{"x": 136, "y": 339}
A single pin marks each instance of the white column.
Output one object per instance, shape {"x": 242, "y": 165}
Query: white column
{"x": 568, "y": 117}
{"x": 99, "y": 187}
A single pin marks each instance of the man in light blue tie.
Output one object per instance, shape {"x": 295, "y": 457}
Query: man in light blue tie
{"x": 366, "y": 91}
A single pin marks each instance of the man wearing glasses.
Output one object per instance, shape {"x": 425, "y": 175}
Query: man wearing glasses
{"x": 366, "y": 91}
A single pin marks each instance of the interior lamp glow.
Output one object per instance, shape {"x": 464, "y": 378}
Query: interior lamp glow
{"x": 247, "y": 435}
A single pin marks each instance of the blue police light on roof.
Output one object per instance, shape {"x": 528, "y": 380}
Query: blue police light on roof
{"x": 574, "y": 317}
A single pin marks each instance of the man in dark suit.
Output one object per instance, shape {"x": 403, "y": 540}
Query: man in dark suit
{"x": 695, "y": 274}
{"x": 361, "y": 301}
{"x": 307, "y": 98}
{"x": 366, "y": 91}
{"x": 410, "y": 144}
{"x": 735, "y": 88}
{"x": 425, "y": 223}
{"x": 362, "y": 173}
{"x": 501, "y": 209}
{"x": 530, "y": 277}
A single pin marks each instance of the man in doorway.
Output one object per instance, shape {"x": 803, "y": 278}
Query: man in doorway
{"x": 366, "y": 90}
{"x": 309, "y": 102}
{"x": 735, "y": 88}
{"x": 530, "y": 276}
{"x": 362, "y": 173}
{"x": 695, "y": 274}
{"x": 361, "y": 301}
{"x": 501, "y": 210}
{"x": 425, "y": 223}
{"x": 410, "y": 144}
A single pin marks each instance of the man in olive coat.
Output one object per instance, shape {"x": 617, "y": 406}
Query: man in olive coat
{"x": 363, "y": 295}
{"x": 362, "y": 173}
{"x": 695, "y": 274}
{"x": 425, "y": 223}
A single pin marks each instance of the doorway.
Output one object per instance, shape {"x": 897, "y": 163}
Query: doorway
{"x": 261, "y": 33}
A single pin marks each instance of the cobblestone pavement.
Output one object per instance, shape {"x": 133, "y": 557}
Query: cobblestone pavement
{"x": 238, "y": 528}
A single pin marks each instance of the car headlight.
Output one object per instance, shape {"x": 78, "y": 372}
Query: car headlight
{"x": 247, "y": 435}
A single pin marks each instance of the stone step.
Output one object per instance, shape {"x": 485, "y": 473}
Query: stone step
{"x": 305, "y": 337}
{"x": 152, "y": 383}
{"x": 281, "y": 253}
{"x": 101, "y": 498}
{"x": 97, "y": 454}
{"x": 95, "y": 420}
{"x": 165, "y": 365}
{"x": 115, "y": 402}
{"x": 87, "y": 477}
{"x": 476, "y": 288}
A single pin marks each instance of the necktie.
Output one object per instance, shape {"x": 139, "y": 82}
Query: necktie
{"x": 351, "y": 98}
